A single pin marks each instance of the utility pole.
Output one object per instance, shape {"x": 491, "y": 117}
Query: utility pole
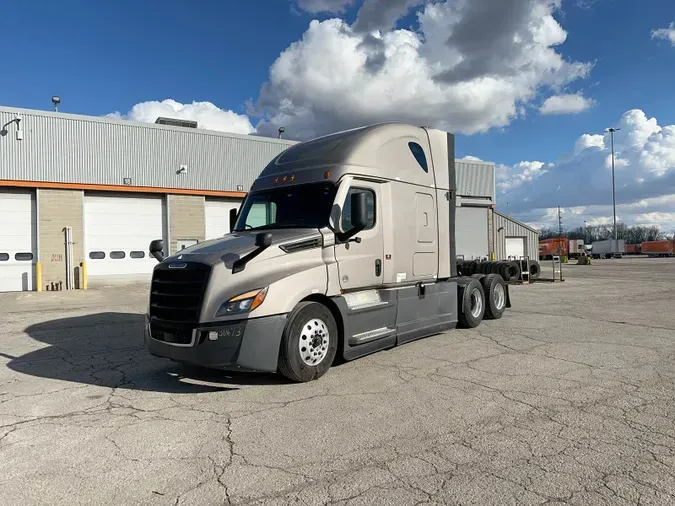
{"x": 560, "y": 233}
{"x": 611, "y": 134}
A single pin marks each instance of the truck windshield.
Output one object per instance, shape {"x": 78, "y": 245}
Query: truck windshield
{"x": 302, "y": 206}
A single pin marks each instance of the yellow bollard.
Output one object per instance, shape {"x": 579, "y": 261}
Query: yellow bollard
{"x": 38, "y": 276}
{"x": 84, "y": 275}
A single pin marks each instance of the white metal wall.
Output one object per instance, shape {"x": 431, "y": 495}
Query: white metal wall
{"x": 18, "y": 239}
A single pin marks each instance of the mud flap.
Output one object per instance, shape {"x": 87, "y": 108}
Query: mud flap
{"x": 508, "y": 295}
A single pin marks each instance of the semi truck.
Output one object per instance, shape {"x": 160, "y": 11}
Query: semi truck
{"x": 343, "y": 246}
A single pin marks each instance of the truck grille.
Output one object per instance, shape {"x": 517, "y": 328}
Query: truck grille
{"x": 176, "y": 294}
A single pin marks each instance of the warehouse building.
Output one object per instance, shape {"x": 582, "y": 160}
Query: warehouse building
{"x": 81, "y": 197}
{"x": 512, "y": 239}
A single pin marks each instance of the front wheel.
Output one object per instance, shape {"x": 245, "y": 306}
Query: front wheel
{"x": 309, "y": 342}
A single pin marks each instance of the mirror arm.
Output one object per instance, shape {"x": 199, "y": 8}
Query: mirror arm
{"x": 345, "y": 237}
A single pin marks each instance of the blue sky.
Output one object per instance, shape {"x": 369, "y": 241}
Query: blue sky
{"x": 103, "y": 57}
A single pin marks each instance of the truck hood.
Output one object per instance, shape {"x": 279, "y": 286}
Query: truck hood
{"x": 233, "y": 246}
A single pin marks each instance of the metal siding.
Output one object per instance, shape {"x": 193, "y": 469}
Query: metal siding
{"x": 475, "y": 179}
{"x": 513, "y": 229}
{"x": 77, "y": 149}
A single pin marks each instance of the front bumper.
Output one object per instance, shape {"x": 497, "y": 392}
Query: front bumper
{"x": 251, "y": 345}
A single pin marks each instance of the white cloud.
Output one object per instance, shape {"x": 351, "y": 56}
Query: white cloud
{"x": 665, "y": 33}
{"x": 644, "y": 179}
{"x": 566, "y": 104}
{"x": 589, "y": 141}
{"x": 619, "y": 163}
{"x": 467, "y": 66}
{"x": 207, "y": 115}
{"x": 509, "y": 178}
{"x": 324, "y": 6}
{"x": 470, "y": 158}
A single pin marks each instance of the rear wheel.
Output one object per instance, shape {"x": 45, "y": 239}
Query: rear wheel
{"x": 471, "y": 300}
{"x": 309, "y": 342}
{"x": 495, "y": 296}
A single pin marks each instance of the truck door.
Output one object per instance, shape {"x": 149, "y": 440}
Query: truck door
{"x": 361, "y": 265}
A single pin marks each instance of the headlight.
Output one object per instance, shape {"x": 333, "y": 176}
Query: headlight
{"x": 243, "y": 303}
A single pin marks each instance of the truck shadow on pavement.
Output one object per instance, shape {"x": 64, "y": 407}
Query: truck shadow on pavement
{"x": 107, "y": 349}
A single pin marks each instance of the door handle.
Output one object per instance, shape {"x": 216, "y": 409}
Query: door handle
{"x": 378, "y": 267}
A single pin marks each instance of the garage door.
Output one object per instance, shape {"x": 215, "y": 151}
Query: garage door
{"x": 471, "y": 226}
{"x": 515, "y": 247}
{"x": 217, "y": 217}
{"x": 117, "y": 232}
{"x": 18, "y": 240}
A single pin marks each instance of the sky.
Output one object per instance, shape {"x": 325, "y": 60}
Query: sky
{"x": 530, "y": 85}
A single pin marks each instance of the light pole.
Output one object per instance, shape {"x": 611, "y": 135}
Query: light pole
{"x": 611, "y": 134}
{"x": 56, "y": 100}
{"x": 281, "y": 131}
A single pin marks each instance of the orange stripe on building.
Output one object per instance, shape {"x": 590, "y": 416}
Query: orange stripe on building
{"x": 120, "y": 188}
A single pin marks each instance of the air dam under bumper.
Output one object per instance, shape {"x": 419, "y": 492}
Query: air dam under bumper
{"x": 251, "y": 345}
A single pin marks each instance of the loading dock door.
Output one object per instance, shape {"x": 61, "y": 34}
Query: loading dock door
{"x": 515, "y": 247}
{"x": 471, "y": 229}
{"x": 217, "y": 217}
{"x": 117, "y": 234}
{"x": 18, "y": 240}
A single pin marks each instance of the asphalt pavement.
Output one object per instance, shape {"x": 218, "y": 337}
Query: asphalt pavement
{"x": 568, "y": 399}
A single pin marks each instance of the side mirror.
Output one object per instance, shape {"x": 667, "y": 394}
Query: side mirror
{"x": 359, "y": 210}
{"x": 157, "y": 249}
{"x": 263, "y": 240}
{"x": 233, "y": 218}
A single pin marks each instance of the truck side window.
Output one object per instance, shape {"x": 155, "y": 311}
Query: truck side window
{"x": 346, "y": 212}
{"x": 261, "y": 214}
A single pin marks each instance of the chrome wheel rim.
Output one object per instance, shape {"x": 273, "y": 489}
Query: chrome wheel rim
{"x": 500, "y": 296}
{"x": 476, "y": 303}
{"x": 313, "y": 342}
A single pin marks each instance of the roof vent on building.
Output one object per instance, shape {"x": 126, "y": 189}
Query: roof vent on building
{"x": 176, "y": 122}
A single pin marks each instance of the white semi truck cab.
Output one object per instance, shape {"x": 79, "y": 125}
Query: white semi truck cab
{"x": 344, "y": 246}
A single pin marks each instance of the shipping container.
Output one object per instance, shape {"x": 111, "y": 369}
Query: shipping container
{"x": 608, "y": 248}
{"x": 632, "y": 249}
{"x": 659, "y": 248}
{"x": 548, "y": 248}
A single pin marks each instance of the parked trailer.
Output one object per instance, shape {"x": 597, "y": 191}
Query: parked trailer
{"x": 324, "y": 262}
{"x": 632, "y": 249}
{"x": 548, "y": 248}
{"x": 659, "y": 248}
{"x": 609, "y": 248}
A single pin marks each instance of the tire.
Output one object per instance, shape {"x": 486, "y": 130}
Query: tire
{"x": 308, "y": 322}
{"x": 514, "y": 270}
{"x": 471, "y": 297}
{"x": 495, "y": 296}
{"x": 535, "y": 270}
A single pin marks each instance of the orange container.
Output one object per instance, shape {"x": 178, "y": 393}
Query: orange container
{"x": 658, "y": 247}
